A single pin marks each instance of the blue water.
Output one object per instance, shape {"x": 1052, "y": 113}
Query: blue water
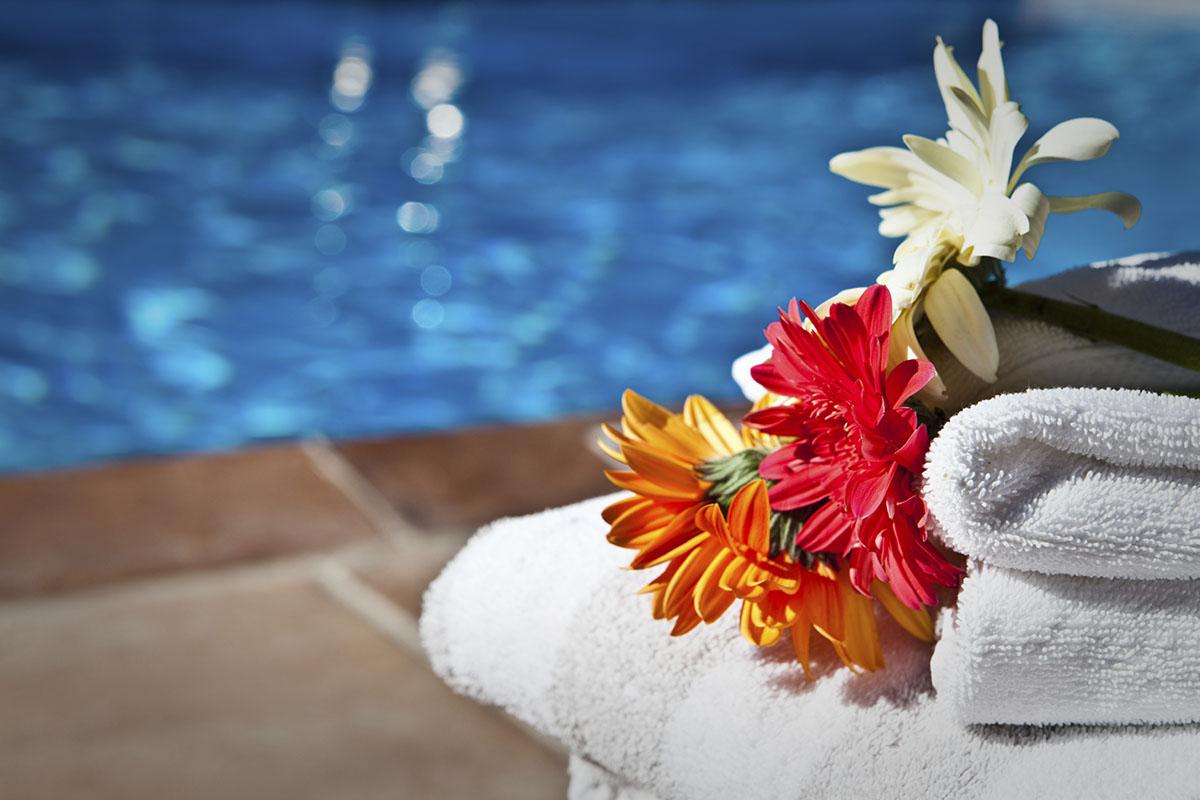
{"x": 222, "y": 223}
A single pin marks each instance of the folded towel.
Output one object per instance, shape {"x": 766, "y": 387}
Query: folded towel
{"x": 1051, "y": 649}
{"x": 1159, "y": 289}
{"x": 1073, "y": 482}
{"x": 536, "y": 616}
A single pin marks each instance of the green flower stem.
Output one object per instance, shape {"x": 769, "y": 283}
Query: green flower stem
{"x": 1094, "y": 322}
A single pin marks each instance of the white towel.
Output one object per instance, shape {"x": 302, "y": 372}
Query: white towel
{"x": 1051, "y": 649}
{"x": 1072, "y": 482}
{"x": 536, "y": 616}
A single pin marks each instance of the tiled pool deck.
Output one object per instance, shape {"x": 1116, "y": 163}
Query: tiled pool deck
{"x": 244, "y": 625}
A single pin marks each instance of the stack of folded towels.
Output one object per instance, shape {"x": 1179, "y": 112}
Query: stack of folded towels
{"x": 1080, "y": 510}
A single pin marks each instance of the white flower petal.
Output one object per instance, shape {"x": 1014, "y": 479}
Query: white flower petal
{"x": 949, "y": 76}
{"x": 892, "y": 197}
{"x": 901, "y": 220}
{"x": 993, "y": 87}
{"x": 946, "y": 161}
{"x": 887, "y": 167}
{"x": 993, "y": 228}
{"x": 1036, "y": 208}
{"x": 1008, "y": 125}
{"x": 1125, "y": 206}
{"x": 962, "y": 323}
{"x": 904, "y": 289}
{"x": 741, "y": 372}
{"x": 1080, "y": 139}
{"x": 977, "y": 132}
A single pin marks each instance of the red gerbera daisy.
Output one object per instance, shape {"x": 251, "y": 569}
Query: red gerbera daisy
{"x": 855, "y": 447}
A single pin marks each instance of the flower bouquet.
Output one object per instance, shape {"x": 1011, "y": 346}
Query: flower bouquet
{"x": 814, "y": 509}
{"x": 1018, "y": 460}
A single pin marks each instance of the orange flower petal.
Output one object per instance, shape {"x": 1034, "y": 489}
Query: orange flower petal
{"x": 679, "y": 591}
{"x": 677, "y": 539}
{"x": 750, "y": 517}
{"x": 663, "y": 469}
{"x": 661, "y": 429}
{"x": 711, "y": 599}
{"x": 714, "y": 426}
{"x": 632, "y": 482}
{"x": 688, "y": 620}
{"x": 916, "y": 621}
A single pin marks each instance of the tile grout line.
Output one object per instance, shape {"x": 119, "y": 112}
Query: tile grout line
{"x": 372, "y": 606}
{"x": 358, "y": 489}
{"x": 344, "y": 585}
{"x": 176, "y": 584}
{"x": 398, "y": 625}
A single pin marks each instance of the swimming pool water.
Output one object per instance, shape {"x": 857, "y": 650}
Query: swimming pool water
{"x": 222, "y": 223}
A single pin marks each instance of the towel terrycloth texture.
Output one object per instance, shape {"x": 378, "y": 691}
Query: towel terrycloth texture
{"x": 536, "y": 615}
{"x": 1072, "y": 482}
{"x": 1075, "y": 482}
{"x": 1029, "y": 648}
{"x": 1159, "y": 289}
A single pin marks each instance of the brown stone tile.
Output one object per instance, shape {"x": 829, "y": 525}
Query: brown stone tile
{"x": 63, "y": 530}
{"x": 458, "y": 480}
{"x": 256, "y": 686}
{"x": 402, "y": 577}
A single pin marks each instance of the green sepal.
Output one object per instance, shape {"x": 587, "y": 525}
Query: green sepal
{"x": 729, "y": 474}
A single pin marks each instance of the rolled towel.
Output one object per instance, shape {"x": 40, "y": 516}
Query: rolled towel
{"x": 1072, "y": 481}
{"x": 536, "y": 615}
{"x": 1047, "y": 649}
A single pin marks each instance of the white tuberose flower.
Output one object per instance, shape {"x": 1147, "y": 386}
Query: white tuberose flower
{"x": 960, "y": 198}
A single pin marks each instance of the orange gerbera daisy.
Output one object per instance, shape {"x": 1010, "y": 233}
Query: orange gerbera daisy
{"x": 663, "y": 451}
{"x": 780, "y": 593}
{"x": 721, "y": 542}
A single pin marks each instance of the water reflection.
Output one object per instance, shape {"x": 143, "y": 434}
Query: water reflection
{"x": 426, "y": 168}
{"x": 415, "y": 217}
{"x": 445, "y": 121}
{"x": 436, "y": 280}
{"x": 438, "y": 79}
{"x": 336, "y": 129}
{"x": 329, "y": 204}
{"x": 206, "y": 240}
{"x": 352, "y": 76}
{"x": 330, "y": 240}
{"x": 428, "y": 313}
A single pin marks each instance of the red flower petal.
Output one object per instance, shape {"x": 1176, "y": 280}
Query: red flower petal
{"x": 875, "y": 309}
{"x": 855, "y": 449}
{"x": 907, "y": 378}
{"x": 826, "y": 531}
{"x": 803, "y": 487}
{"x": 866, "y": 490}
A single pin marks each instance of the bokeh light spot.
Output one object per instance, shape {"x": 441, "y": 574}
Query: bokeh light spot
{"x": 436, "y": 280}
{"x": 445, "y": 121}
{"x": 428, "y": 313}
{"x": 330, "y": 240}
{"x": 415, "y": 217}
